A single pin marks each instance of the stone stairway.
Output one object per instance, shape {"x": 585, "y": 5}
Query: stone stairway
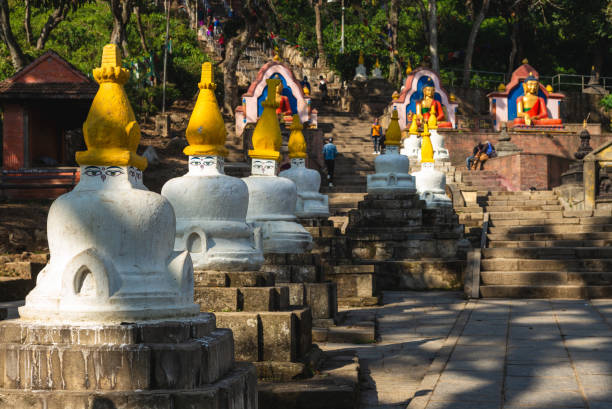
{"x": 482, "y": 180}
{"x": 537, "y": 250}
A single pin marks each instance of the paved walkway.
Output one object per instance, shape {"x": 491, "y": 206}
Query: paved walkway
{"x": 437, "y": 351}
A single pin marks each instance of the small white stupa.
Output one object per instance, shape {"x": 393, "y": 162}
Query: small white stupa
{"x": 430, "y": 183}
{"x": 272, "y": 200}
{"x": 111, "y": 239}
{"x": 310, "y": 203}
{"x": 437, "y": 139}
{"x": 376, "y": 71}
{"x": 210, "y": 206}
{"x": 412, "y": 144}
{"x": 361, "y": 73}
{"x": 391, "y": 168}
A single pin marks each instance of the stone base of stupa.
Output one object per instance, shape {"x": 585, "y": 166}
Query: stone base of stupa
{"x": 171, "y": 364}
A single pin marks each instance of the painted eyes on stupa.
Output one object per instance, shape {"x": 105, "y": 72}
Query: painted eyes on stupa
{"x": 202, "y": 161}
{"x": 103, "y": 171}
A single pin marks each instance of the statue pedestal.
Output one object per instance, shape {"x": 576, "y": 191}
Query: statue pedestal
{"x": 391, "y": 173}
{"x": 431, "y": 186}
{"x": 361, "y": 74}
{"x": 377, "y": 74}
{"x": 161, "y": 364}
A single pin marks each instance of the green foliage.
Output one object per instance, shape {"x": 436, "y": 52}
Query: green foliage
{"x": 148, "y": 100}
{"x": 606, "y": 102}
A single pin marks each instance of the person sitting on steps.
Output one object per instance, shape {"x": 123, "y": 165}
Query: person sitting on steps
{"x": 470, "y": 159}
{"x": 487, "y": 151}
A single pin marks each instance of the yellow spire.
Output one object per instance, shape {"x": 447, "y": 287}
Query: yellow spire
{"x": 361, "y": 60}
{"x": 432, "y": 122}
{"x": 277, "y": 57}
{"x": 393, "y": 136}
{"x": 414, "y": 127}
{"x": 206, "y": 130}
{"x": 267, "y": 134}
{"x": 549, "y": 88}
{"x": 426, "y": 146}
{"x": 377, "y": 64}
{"x": 297, "y": 143}
{"x": 110, "y": 130}
{"x": 525, "y": 61}
{"x": 501, "y": 87}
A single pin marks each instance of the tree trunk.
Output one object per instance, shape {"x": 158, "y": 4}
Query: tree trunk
{"x": 394, "y": 69}
{"x": 514, "y": 50}
{"x": 235, "y": 48}
{"x": 433, "y": 36}
{"x": 121, "y": 11}
{"x": 17, "y": 57}
{"x": 143, "y": 39}
{"x": 469, "y": 52}
{"x": 322, "y": 62}
{"x": 26, "y": 22}
{"x": 58, "y": 15}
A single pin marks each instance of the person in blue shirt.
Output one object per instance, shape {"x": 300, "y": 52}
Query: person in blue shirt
{"x": 487, "y": 151}
{"x": 329, "y": 154}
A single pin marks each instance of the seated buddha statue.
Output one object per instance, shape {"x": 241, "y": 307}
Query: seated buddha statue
{"x": 429, "y": 104}
{"x": 530, "y": 108}
{"x": 284, "y": 107}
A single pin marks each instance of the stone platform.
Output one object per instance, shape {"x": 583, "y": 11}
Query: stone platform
{"x": 178, "y": 364}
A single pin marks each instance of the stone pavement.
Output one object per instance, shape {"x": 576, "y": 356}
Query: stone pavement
{"x": 437, "y": 351}
{"x": 411, "y": 328}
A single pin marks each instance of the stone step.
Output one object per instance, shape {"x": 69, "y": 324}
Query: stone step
{"x": 525, "y": 208}
{"x": 540, "y": 193}
{"x": 546, "y": 236}
{"x": 531, "y": 221}
{"x": 549, "y": 243}
{"x": 487, "y": 202}
{"x": 567, "y": 228}
{"x": 556, "y": 253}
{"x": 545, "y": 291}
{"x": 505, "y": 215}
{"x": 519, "y": 264}
{"x": 536, "y": 278}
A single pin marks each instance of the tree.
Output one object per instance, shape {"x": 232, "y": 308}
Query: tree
{"x": 121, "y": 11}
{"x": 433, "y": 35}
{"x": 469, "y": 50}
{"x": 322, "y": 61}
{"x": 6, "y": 34}
{"x": 395, "y": 74}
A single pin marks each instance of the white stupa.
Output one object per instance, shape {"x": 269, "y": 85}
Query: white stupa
{"x": 376, "y": 71}
{"x": 391, "y": 168}
{"x": 111, "y": 240}
{"x": 412, "y": 144}
{"x": 430, "y": 182}
{"x": 310, "y": 203}
{"x": 361, "y": 73}
{"x": 272, "y": 199}
{"x": 210, "y": 206}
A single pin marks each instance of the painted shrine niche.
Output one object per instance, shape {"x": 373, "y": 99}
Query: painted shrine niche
{"x": 423, "y": 96}
{"x": 525, "y": 104}
{"x": 289, "y": 95}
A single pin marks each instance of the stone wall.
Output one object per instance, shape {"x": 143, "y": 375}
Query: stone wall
{"x": 524, "y": 170}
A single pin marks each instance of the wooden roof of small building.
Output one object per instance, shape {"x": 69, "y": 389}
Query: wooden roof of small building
{"x": 49, "y": 77}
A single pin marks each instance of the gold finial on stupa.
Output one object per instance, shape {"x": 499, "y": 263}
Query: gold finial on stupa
{"x": 277, "y": 57}
{"x": 393, "y": 137}
{"x": 297, "y": 143}
{"x": 361, "y": 60}
{"x": 377, "y": 63}
{"x": 395, "y": 95}
{"x": 414, "y": 127}
{"x": 408, "y": 67}
{"x": 206, "y": 130}
{"x": 452, "y": 97}
{"x": 432, "y": 122}
{"x": 501, "y": 87}
{"x": 426, "y": 146}
{"x": 110, "y": 130}
{"x": 267, "y": 138}
{"x": 525, "y": 61}
{"x": 549, "y": 88}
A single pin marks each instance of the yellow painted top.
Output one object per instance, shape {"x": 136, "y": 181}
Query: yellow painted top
{"x": 394, "y": 132}
{"x": 525, "y": 61}
{"x": 206, "y": 130}
{"x": 501, "y": 87}
{"x": 110, "y": 130}
{"x": 432, "y": 122}
{"x": 414, "y": 127}
{"x": 377, "y": 64}
{"x": 426, "y": 146}
{"x": 267, "y": 134}
{"x": 297, "y": 142}
{"x": 549, "y": 88}
{"x": 361, "y": 60}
